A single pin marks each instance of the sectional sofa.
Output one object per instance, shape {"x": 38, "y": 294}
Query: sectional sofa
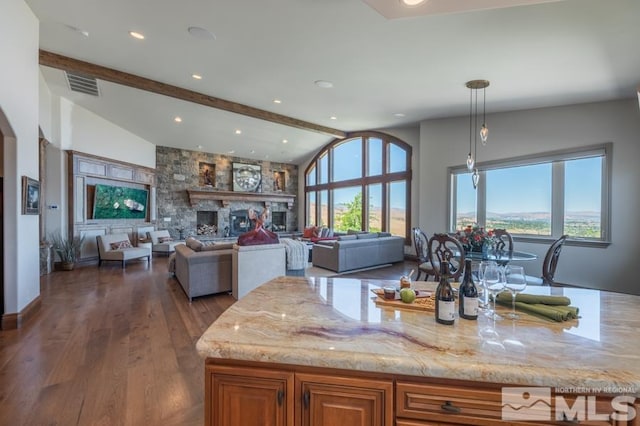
{"x": 357, "y": 251}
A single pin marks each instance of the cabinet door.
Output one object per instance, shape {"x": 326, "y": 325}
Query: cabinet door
{"x": 343, "y": 401}
{"x": 248, "y": 397}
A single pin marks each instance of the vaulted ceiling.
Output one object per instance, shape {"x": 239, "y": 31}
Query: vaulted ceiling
{"x": 386, "y": 71}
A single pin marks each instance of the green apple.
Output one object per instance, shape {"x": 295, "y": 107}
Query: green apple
{"x": 407, "y": 295}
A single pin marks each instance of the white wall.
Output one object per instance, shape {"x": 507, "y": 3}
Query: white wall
{"x": 19, "y": 102}
{"x": 81, "y": 130}
{"x": 444, "y": 143}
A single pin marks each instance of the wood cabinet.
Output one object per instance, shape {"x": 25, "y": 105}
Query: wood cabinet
{"x": 247, "y": 396}
{"x": 421, "y": 404}
{"x": 343, "y": 401}
{"x": 240, "y": 393}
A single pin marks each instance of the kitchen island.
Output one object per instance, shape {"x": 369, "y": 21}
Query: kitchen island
{"x": 312, "y": 345}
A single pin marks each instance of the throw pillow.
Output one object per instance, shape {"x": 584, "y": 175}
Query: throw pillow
{"x": 309, "y": 232}
{"x": 164, "y": 239}
{"x": 193, "y": 244}
{"x": 119, "y": 245}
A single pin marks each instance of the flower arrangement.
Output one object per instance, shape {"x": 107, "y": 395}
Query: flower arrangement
{"x": 474, "y": 237}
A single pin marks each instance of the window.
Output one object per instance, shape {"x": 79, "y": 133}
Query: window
{"x": 361, "y": 183}
{"x": 543, "y": 196}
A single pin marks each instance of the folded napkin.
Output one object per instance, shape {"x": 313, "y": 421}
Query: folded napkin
{"x": 505, "y": 297}
{"x": 555, "y": 308}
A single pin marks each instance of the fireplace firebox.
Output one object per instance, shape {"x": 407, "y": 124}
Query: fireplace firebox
{"x": 206, "y": 222}
{"x": 239, "y": 223}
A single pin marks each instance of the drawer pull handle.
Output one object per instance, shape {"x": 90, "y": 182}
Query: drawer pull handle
{"x": 280, "y": 397}
{"x": 306, "y": 399}
{"x": 448, "y": 406}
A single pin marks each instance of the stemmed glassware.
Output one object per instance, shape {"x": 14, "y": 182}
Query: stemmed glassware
{"x": 515, "y": 282}
{"x": 493, "y": 283}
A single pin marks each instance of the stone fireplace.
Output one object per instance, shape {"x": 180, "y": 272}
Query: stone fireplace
{"x": 188, "y": 207}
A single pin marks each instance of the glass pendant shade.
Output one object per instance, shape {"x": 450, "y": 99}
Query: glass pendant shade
{"x": 470, "y": 162}
{"x": 484, "y": 134}
{"x": 475, "y": 177}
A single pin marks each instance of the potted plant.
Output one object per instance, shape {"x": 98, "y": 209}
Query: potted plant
{"x": 68, "y": 249}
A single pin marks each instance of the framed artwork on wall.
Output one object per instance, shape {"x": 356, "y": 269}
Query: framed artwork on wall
{"x": 246, "y": 177}
{"x": 207, "y": 174}
{"x": 278, "y": 181}
{"x": 30, "y": 196}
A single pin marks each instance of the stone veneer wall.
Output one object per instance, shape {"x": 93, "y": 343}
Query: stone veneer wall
{"x": 178, "y": 170}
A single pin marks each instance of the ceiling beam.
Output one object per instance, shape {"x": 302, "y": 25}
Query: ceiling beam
{"x": 66, "y": 63}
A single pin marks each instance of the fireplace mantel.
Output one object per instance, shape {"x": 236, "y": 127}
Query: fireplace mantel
{"x": 225, "y": 197}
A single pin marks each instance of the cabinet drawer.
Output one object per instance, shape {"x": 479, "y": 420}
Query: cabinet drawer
{"x": 483, "y": 406}
{"x": 441, "y": 403}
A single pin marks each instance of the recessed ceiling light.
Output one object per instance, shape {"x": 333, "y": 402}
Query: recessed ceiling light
{"x": 238, "y": 131}
{"x": 398, "y": 115}
{"x": 412, "y": 3}
{"x": 277, "y": 101}
{"x": 137, "y": 35}
{"x": 285, "y": 141}
{"x": 201, "y": 33}
{"x": 333, "y": 117}
{"x": 324, "y": 84}
{"x": 199, "y": 146}
{"x": 253, "y": 151}
{"x": 233, "y": 151}
{"x": 196, "y": 76}
{"x": 266, "y": 156}
{"x": 178, "y": 119}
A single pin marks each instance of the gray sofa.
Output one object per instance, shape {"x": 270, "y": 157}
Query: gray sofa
{"x": 203, "y": 270}
{"x": 358, "y": 251}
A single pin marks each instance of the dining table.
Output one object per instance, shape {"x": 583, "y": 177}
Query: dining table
{"x": 502, "y": 257}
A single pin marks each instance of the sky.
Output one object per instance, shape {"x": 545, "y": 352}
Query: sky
{"x": 528, "y": 188}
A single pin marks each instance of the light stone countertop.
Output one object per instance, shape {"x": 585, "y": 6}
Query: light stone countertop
{"x": 334, "y": 322}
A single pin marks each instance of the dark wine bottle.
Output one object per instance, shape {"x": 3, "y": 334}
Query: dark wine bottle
{"x": 468, "y": 295}
{"x": 445, "y": 302}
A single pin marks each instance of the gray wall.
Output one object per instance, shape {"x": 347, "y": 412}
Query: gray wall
{"x": 444, "y": 143}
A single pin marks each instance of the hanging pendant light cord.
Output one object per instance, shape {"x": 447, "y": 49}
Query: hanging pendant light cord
{"x": 475, "y": 127}
{"x": 470, "y": 119}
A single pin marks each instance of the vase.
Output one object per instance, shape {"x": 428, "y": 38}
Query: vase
{"x": 67, "y": 266}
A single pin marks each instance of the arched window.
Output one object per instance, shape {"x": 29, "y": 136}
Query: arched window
{"x": 362, "y": 182}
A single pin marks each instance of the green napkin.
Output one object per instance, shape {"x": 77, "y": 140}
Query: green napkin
{"x": 533, "y": 299}
{"x": 555, "y": 308}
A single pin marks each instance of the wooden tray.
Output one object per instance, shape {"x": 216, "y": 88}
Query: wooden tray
{"x": 399, "y": 304}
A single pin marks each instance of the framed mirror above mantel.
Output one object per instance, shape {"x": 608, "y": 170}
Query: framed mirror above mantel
{"x": 226, "y": 197}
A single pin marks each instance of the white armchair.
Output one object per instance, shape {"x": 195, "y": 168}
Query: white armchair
{"x": 118, "y": 247}
{"x": 161, "y": 241}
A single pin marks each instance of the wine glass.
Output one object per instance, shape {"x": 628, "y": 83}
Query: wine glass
{"x": 476, "y": 274}
{"x": 515, "y": 282}
{"x": 480, "y": 277}
{"x": 494, "y": 284}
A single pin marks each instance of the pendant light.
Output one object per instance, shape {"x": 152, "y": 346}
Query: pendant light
{"x": 474, "y": 86}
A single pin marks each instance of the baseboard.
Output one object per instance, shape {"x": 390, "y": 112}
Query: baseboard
{"x": 17, "y": 320}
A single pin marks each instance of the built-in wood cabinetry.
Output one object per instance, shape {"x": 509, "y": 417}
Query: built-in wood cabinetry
{"x": 257, "y": 394}
{"x": 84, "y": 172}
{"x": 245, "y": 396}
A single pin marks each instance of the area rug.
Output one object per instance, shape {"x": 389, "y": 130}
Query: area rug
{"x": 314, "y": 271}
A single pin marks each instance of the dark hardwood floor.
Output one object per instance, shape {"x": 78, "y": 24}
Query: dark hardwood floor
{"x": 114, "y": 347}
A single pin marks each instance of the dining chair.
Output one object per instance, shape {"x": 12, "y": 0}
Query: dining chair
{"x": 504, "y": 240}
{"x": 549, "y": 264}
{"x": 420, "y": 242}
{"x": 445, "y": 248}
